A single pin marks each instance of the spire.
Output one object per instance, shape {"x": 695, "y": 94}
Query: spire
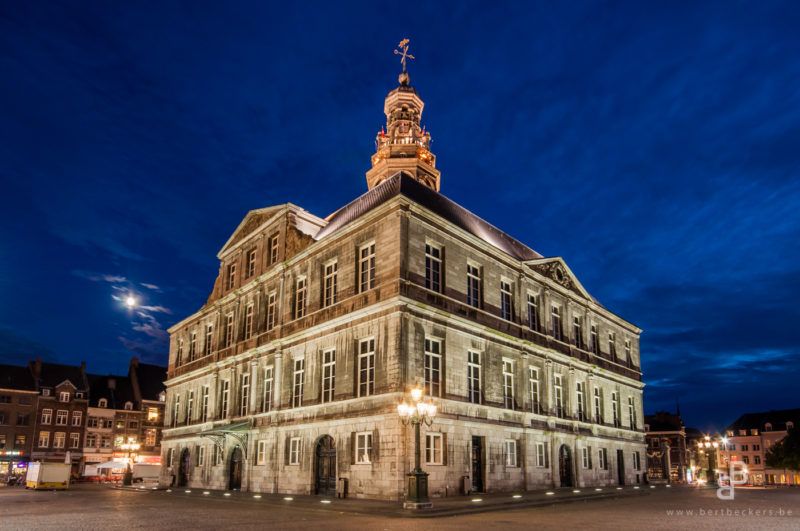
{"x": 403, "y": 145}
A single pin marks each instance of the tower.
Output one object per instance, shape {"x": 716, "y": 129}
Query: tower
{"x": 403, "y": 145}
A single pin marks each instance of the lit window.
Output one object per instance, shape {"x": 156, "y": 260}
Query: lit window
{"x": 328, "y": 374}
{"x": 60, "y": 440}
{"x": 330, "y": 284}
{"x": 150, "y": 436}
{"x": 433, "y": 449}
{"x": 294, "y": 451}
{"x": 433, "y": 366}
{"x": 366, "y": 267}
{"x": 44, "y": 439}
{"x": 433, "y": 268}
{"x": 506, "y": 300}
{"x": 363, "y": 448}
{"x": 511, "y": 453}
{"x": 261, "y": 455}
{"x": 473, "y": 286}
{"x": 366, "y": 367}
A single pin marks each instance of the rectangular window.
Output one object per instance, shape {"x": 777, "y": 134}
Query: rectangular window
{"x": 585, "y": 457}
{"x": 473, "y": 286}
{"x": 510, "y": 448}
{"x": 251, "y": 263}
{"x": 506, "y": 300}
{"x": 150, "y": 437}
{"x": 192, "y": 346}
{"x": 612, "y": 344}
{"x": 189, "y": 406}
{"x": 595, "y": 345}
{"x": 474, "y": 376}
{"x": 61, "y": 417}
{"x": 248, "y": 321}
{"x": 273, "y": 249}
{"x": 363, "y": 448}
{"x": 615, "y": 409}
{"x": 44, "y": 439}
{"x": 628, "y": 351}
{"x": 631, "y": 413}
{"x": 209, "y": 339}
{"x": 533, "y": 312}
{"x": 91, "y": 440}
{"x": 261, "y": 454}
{"x": 23, "y": 419}
{"x": 602, "y": 459}
{"x": 226, "y": 395}
{"x": 74, "y": 440}
{"x": 294, "y": 451}
{"x": 203, "y": 405}
{"x": 328, "y": 374}
{"x": 229, "y": 330}
{"x": 433, "y": 268}
{"x": 77, "y": 417}
{"x": 757, "y": 460}
{"x": 598, "y": 405}
{"x": 271, "y": 310}
{"x": 558, "y": 394}
{"x": 201, "y": 456}
{"x": 433, "y": 367}
{"x": 230, "y": 277}
{"x": 433, "y": 449}
{"x": 366, "y": 367}
{"x": 577, "y": 331}
{"x": 556, "y": 322}
{"x": 267, "y": 402}
{"x": 579, "y": 395}
{"x": 508, "y": 384}
{"x": 536, "y": 400}
{"x": 59, "y": 440}
{"x": 244, "y": 395}
{"x": 176, "y": 410}
{"x": 47, "y": 416}
{"x": 170, "y": 456}
{"x": 299, "y": 377}
{"x": 746, "y": 459}
{"x": 179, "y": 356}
{"x": 301, "y": 287}
{"x": 542, "y": 460}
{"x": 330, "y": 284}
{"x": 637, "y": 461}
{"x": 5, "y": 399}
{"x": 366, "y": 267}
{"x": 92, "y": 422}
{"x": 63, "y": 396}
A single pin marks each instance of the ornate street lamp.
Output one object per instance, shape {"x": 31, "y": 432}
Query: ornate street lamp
{"x": 417, "y": 413}
{"x": 131, "y": 447}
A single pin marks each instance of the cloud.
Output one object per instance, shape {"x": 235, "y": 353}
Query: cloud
{"x": 150, "y": 286}
{"x": 158, "y": 309}
{"x": 99, "y": 277}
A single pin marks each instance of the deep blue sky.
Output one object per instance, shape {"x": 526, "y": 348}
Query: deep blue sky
{"x": 656, "y": 147}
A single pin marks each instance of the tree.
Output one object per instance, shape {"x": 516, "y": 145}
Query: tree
{"x": 786, "y": 452}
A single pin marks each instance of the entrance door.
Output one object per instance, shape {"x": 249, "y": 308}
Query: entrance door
{"x": 477, "y": 464}
{"x": 621, "y": 467}
{"x": 325, "y": 481}
{"x": 565, "y": 466}
{"x": 235, "y": 480}
{"x": 183, "y": 468}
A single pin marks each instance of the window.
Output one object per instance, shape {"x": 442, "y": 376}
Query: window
{"x": 757, "y": 460}
{"x": 244, "y": 395}
{"x": 300, "y": 289}
{"x": 63, "y": 396}
{"x": 209, "y": 339}
{"x": 767, "y": 427}
{"x": 105, "y": 442}
{"x": 474, "y": 376}
{"x": 229, "y": 330}
{"x": 261, "y": 454}
{"x": 756, "y": 447}
{"x": 328, "y": 374}
{"x": 61, "y": 417}
{"x": 44, "y": 439}
{"x": 176, "y": 410}
{"x": 74, "y": 440}
{"x": 473, "y": 286}
{"x": 248, "y": 321}
{"x": 5, "y": 399}
{"x": 230, "y": 277}
{"x": 150, "y": 437}
{"x": 92, "y": 422}
{"x": 598, "y": 405}
{"x": 433, "y": 449}
{"x": 628, "y": 350}
{"x": 91, "y": 440}
{"x": 179, "y": 356}
{"x": 615, "y": 409}
{"x": 203, "y": 404}
{"x": 330, "y": 284}
{"x": 508, "y": 384}
{"x": 533, "y": 312}
{"x": 366, "y": 367}
{"x": 558, "y": 393}
{"x": 170, "y": 456}
{"x": 433, "y": 367}
{"x": 746, "y": 460}
{"x": 59, "y": 440}
{"x": 506, "y": 300}
{"x": 366, "y": 267}
{"x": 299, "y": 375}
{"x": 631, "y": 413}
{"x": 556, "y": 322}
{"x": 218, "y": 451}
{"x": 45, "y": 392}
{"x": 192, "y": 346}
{"x": 120, "y": 424}
{"x": 789, "y": 425}
{"x": 579, "y": 392}
{"x": 585, "y": 456}
{"x": 189, "y": 406}
{"x": 533, "y": 381}
{"x": 363, "y": 448}
{"x": 510, "y": 448}
{"x": 251, "y": 263}
{"x": 128, "y": 406}
{"x": 577, "y": 332}
{"x": 107, "y": 424}
{"x": 201, "y": 456}
{"x": 595, "y": 346}
{"x": 27, "y": 400}
{"x": 271, "y": 307}
{"x": 267, "y": 403}
{"x": 745, "y": 447}
{"x": 77, "y": 417}
{"x": 294, "y": 451}
{"x": 23, "y": 419}
{"x": 602, "y": 458}
{"x": 637, "y": 461}
{"x": 152, "y": 414}
{"x": 47, "y": 416}
{"x": 433, "y": 268}
{"x": 612, "y": 344}
{"x": 273, "y": 249}
{"x": 226, "y": 394}
{"x": 542, "y": 455}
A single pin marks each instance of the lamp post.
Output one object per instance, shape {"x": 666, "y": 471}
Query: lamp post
{"x": 131, "y": 447}
{"x": 415, "y": 414}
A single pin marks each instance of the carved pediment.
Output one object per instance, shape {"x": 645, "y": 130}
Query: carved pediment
{"x": 252, "y": 221}
{"x": 557, "y": 270}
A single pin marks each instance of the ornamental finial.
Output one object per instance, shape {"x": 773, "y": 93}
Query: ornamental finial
{"x": 402, "y": 51}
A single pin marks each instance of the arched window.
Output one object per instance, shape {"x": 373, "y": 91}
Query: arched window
{"x": 102, "y": 403}
{"x": 767, "y": 427}
{"x": 128, "y": 406}
{"x": 789, "y": 424}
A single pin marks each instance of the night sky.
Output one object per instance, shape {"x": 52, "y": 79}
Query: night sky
{"x": 654, "y": 146}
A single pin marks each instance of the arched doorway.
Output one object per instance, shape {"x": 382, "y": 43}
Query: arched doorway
{"x": 565, "y": 466}
{"x": 183, "y": 468}
{"x": 325, "y": 470}
{"x": 235, "y": 480}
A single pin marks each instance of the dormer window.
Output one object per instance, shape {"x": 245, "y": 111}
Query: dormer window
{"x": 789, "y": 425}
{"x": 128, "y": 406}
{"x": 162, "y": 396}
{"x": 63, "y": 396}
{"x": 102, "y": 403}
{"x": 45, "y": 392}
{"x": 767, "y": 427}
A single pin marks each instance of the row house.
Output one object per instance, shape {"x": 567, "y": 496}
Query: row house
{"x": 17, "y": 412}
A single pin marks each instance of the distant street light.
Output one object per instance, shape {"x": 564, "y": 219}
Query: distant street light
{"x": 131, "y": 447}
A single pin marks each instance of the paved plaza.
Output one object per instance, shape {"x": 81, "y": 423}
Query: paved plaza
{"x": 100, "y": 507}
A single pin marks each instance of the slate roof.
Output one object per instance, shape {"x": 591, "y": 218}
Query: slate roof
{"x": 402, "y": 183}
{"x": 116, "y": 394}
{"x": 151, "y": 380}
{"x": 14, "y": 377}
{"x": 663, "y": 421}
{"x": 777, "y": 418}
{"x": 54, "y": 373}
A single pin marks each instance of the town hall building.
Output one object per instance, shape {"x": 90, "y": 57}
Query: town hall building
{"x": 288, "y": 379}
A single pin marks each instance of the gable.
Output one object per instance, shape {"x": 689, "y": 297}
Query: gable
{"x": 557, "y": 270}
{"x": 251, "y": 222}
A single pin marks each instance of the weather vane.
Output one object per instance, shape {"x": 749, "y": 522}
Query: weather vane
{"x": 404, "y": 53}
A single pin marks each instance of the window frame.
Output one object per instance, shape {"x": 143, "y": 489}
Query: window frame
{"x": 298, "y": 381}
{"x": 330, "y": 283}
{"x": 474, "y": 382}
{"x": 328, "y": 375}
{"x": 534, "y": 388}
{"x": 294, "y": 451}
{"x": 556, "y": 322}
{"x": 300, "y": 296}
{"x": 363, "y": 448}
{"x": 510, "y": 451}
{"x": 269, "y": 382}
{"x": 433, "y": 267}
{"x": 249, "y": 315}
{"x": 508, "y": 383}
{"x": 244, "y": 394}
{"x": 434, "y": 453}
{"x": 433, "y": 366}
{"x": 250, "y": 270}
{"x": 261, "y": 452}
{"x": 366, "y": 367}
{"x": 366, "y": 267}
{"x": 506, "y": 299}
{"x": 474, "y": 285}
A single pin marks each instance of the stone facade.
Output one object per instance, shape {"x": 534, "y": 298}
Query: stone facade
{"x": 278, "y": 385}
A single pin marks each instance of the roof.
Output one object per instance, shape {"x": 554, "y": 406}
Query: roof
{"x": 402, "y": 183}
{"x": 115, "y": 389}
{"x": 14, "y": 377}
{"x": 53, "y": 374}
{"x": 664, "y": 421}
{"x": 776, "y": 417}
{"x": 694, "y": 433}
{"x": 151, "y": 380}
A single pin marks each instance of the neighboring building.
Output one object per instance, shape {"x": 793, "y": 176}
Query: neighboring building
{"x": 749, "y": 438}
{"x": 667, "y": 459}
{"x": 17, "y": 412}
{"x": 149, "y": 395}
{"x": 60, "y": 412}
{"x": 99, "y": 439}
{"x": 290, "y": 375}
